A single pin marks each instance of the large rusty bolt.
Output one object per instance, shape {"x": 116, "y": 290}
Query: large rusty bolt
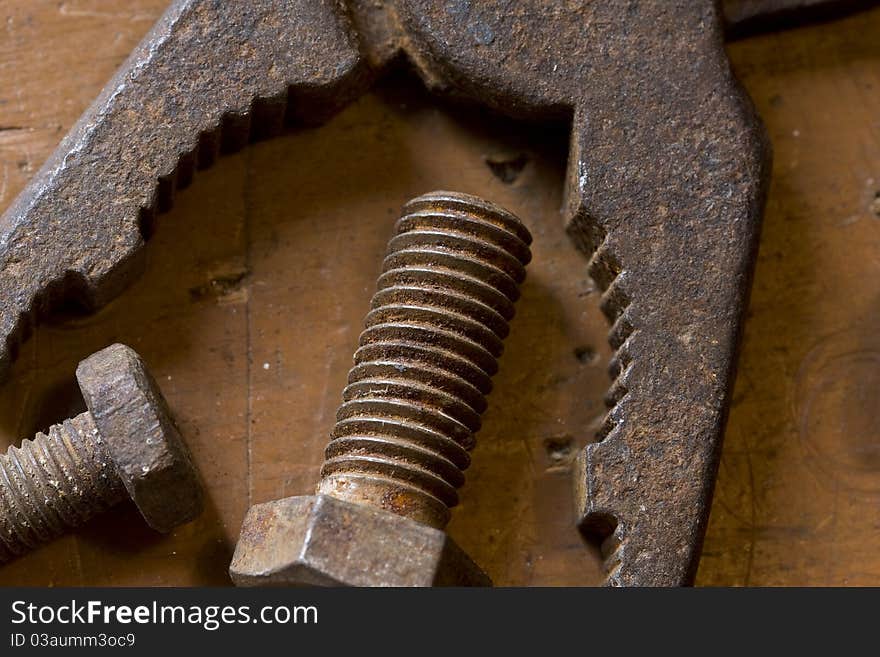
{"x": 400, "y": 446}
{"x": 125, "y": 444}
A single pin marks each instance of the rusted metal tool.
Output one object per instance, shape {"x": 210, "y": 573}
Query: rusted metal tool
{"x": 125, "y": 444}
{"x": 410, "y": 411}
{"x": 666, "y": 180}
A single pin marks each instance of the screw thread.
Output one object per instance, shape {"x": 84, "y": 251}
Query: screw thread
{"x": 426, "y": 357}
{"x": 54, "y": 482}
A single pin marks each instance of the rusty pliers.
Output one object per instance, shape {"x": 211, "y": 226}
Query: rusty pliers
{"x": 665, "y": 185}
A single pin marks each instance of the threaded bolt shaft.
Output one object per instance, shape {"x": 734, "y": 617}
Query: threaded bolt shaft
{"x": 54, "y": 482}
{"x": 426, "y": 357}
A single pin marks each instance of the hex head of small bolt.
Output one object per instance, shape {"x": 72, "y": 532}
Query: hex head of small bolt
{"x": 133, "y": 420}
{"x": 318, "y": 540}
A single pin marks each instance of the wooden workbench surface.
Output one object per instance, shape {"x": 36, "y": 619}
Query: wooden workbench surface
{"x": 258, "y": 279}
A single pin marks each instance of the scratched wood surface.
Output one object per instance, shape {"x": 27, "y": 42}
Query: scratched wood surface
{"x": 257, "y": 282}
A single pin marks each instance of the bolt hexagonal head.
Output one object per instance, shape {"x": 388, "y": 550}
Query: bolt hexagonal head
{"x": 318, "y": 540}
{"x": 133, "y": 420}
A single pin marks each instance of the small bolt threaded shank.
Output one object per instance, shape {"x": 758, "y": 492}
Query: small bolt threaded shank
{"x": 52, "y": 483}
{"x": 426, "y": 357}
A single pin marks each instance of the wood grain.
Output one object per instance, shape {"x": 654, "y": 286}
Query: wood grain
{"x": 257, "y": 282}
